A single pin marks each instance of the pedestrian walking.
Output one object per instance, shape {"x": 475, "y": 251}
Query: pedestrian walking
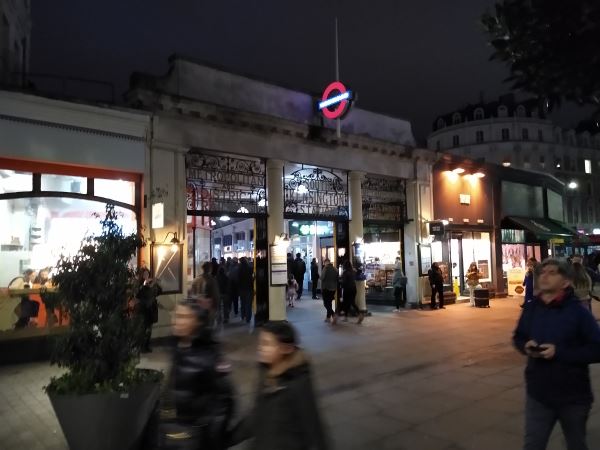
{"x": 399, "y": 284}
{"x": 206, "y": 289}
{"x": 529, "y": 281}
{"x": 299, "y": 271}
{"x": 436, "y": 281}
{"x": 233, "y": 278}
{"x": 200, "y": 387}
{"x": 349, "y": 292}
{"x": 560, "y": 339}
{"x": 246, "y": 289}
{"x": 223, "y": 283}
{"x": 329, "y": 286}
{"x": 314, "y": 277}
{"x": 285, "y": 414}
{"x": 291, "y": 290}
{"x": 582, "y": 285}
{"x": 473, "y": 275}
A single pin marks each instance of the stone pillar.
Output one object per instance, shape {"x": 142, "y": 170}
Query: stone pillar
{"x": 355, "y": 227}
{"x": 275, "y": 227}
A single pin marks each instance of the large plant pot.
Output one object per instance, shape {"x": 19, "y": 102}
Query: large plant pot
{"x": 107, "y": 421}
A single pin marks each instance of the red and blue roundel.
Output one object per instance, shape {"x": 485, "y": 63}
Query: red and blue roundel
{"x": 336, "y": 100}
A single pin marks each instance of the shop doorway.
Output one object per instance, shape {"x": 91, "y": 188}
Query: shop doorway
{"x": 226, "y": 239}
{"x": 311, "y": 239}
{"x": 466, "y": 248}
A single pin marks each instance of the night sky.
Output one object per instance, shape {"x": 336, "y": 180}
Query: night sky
{"x": 410, "y": 59}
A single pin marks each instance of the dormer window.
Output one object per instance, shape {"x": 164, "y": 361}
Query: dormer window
{"x": 521, "y": 111}
{"x": 502, "y": 111}
{"x": 441, "y": 123}
{"x": 478, "y": 114}
{"x": 456, "y": 118}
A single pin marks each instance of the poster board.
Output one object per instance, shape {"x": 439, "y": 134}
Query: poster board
{"x": 166, "y": 266}
{"x": 424, "y": 255}
{"x": 278, "y": 261}
{"x": 515, "y": 276}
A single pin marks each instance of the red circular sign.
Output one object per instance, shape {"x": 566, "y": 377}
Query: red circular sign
{"x": 338, "y": 108}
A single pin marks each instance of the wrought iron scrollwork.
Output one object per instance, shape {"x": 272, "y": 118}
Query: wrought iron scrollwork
{"x": 316, "y": 192}
{"x": 225, "y": 184}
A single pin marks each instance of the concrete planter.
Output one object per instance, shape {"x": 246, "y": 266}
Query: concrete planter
{"x": 106, "y": 421}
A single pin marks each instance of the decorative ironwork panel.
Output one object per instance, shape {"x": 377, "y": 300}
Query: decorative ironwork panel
{"x": 316, "y": 192}
{"x": 384, "y": 199}
{"x": 225, "y": 184}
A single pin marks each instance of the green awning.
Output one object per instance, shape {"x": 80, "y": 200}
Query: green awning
{"x": 543, "y": 228}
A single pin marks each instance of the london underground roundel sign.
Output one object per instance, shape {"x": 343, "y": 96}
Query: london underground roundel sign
{"x": 335, "y": 101}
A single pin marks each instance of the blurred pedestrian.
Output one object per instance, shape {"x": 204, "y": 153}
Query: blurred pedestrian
{"x": 314, "y": 277}
{"x": 223, "y": 283}
{"x": 329, "y": 286}
{"x": 299, "y": 271}
{"x": 206, "y": 289}
{"x": 560, "y": 339}
{"x": 246, "y": 288}
{"x": 200, "y": 385}
{"x": 291, "y": 290}
{"x": 349, "y": 292}
{"x": 148, "y": 290}
{"x": 582, "y": 284}
{"x": 285, "y": 414}
{"x": 399, "y": 283}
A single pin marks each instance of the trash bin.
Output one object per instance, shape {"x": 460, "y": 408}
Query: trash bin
{"x": 482, "y": 298}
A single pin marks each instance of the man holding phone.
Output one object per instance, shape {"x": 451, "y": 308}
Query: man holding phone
{"x": 560, "y": 338}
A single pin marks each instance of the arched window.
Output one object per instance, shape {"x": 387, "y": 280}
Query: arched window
{"x": 478, "y": 114}
{"x": 521, "y": 111}
{"x": 456, "y": 118}
{"x": 440, "y": 123}
{"x": 502, "y": 111}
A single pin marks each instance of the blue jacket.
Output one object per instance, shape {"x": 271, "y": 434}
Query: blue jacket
{"x": 565, "y": 379}
{"x": 528, "y": 283}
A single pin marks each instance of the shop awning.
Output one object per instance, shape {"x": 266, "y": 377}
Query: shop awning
{"x": 543, "y": 228}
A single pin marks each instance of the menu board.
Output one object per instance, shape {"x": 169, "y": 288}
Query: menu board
{"x": 278, "y": 260}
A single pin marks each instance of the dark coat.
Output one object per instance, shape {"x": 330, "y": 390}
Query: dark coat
{"x": 148, "y": 303}
{"x": 349, "y": 282}
{"x": 436, "y": 278}
{"x": 285, "y": 415}
{"x": 314, "y": 271}
{"x": 245, "y": 278}
{"x": 201, "y": 387}
{"x": 565, "y": 379}
{"x": 299, "y": 269}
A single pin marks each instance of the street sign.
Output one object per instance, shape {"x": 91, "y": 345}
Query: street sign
{"x": 336, "y": 101}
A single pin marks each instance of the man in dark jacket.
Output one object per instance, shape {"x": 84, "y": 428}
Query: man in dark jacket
{"x": 560, "y": 339}
{"x": 299, "y": 271}
{"x": 314, "y": 277}
{"x": 245, "y": 288}
{"x": 436, "y": 281}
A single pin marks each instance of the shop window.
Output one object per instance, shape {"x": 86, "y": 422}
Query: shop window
{"x": 455, "y": 141}
{"x": 588, "y": 166}
{"x": 61, "y": 183}
{"x": 525, "y": 134}
{"x": 227, "y": 240}
{"x": 505, "y": 134}
{"x": 240, "y": 236}
{"x": 118, "y": 190}
{"x": 479, "y": 136}
{"x": 11, "y": 181}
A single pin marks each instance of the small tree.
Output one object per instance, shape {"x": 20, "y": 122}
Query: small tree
{"x": 101, "y": 348}
{"x": 550, "y": 46}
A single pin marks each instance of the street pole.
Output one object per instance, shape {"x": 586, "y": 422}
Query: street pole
{"x": 337, "y": 73}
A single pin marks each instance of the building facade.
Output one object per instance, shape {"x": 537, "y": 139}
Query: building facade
{"x": 518, "y": 134}
{"x": 495, "y": 217}
{"x": 15, "y": 41}
{"x": 252, "y": 169}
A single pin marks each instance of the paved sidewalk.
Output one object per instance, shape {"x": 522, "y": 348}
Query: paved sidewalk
{"x": 419, "y": 380}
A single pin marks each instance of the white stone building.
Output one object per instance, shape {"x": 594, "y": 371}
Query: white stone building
{"x": 519, "y": 134}
{"x": 15, "y": 41}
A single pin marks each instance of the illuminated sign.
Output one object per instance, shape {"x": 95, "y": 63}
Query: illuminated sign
{"x": 465, "y": 199}
{"x": 336, "y": 101}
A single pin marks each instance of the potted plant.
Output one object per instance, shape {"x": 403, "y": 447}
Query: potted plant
{"x": 102, "y": 401}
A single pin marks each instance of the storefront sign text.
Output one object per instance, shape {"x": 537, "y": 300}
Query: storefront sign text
{"x": 317, "y": 192}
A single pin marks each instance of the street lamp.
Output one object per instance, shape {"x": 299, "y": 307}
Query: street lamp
{"x": 572, "y": 185}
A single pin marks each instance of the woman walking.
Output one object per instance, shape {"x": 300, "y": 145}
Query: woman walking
{"x": 582, "y": 284}
{"x": 399, "y": 284}
{"x": 329, "y": 285}
{"x": 285, "y": 414}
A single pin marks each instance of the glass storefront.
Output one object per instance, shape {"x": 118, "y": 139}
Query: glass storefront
{"x": 46, "y": 216}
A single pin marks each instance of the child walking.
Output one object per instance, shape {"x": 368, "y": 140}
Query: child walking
{"x": 291, "y": 290}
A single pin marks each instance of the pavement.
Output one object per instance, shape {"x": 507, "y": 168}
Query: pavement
{"x": 418, "y": 379}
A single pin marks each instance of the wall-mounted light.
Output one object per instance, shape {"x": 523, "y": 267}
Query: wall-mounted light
{"x": 572, "y": 185}
{"x": 478, "y": 174}
{"x": 174, "y": 241}
{"x": 466, "y": 221}
{"x": 224, "y": 218}
{"x": 506, "y": 163}
{"x": 212, "y": 223}
{"x": 479, "y": 220}
{"x": 458, "y": 170}
{"x": 445, "y": 222}
{"x": 450, "y": 219}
